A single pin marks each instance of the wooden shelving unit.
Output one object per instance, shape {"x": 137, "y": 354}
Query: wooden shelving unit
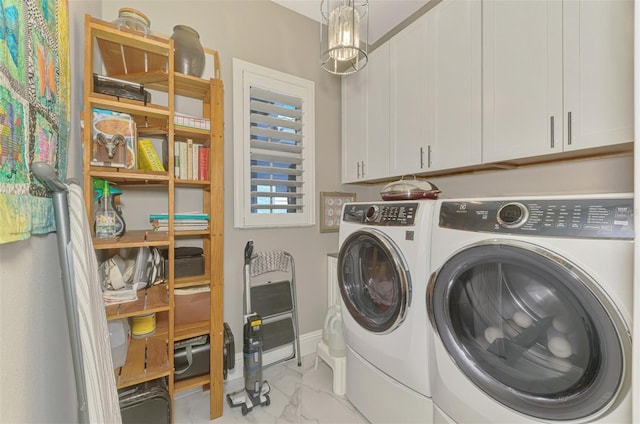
{"x": 149, "y": 60}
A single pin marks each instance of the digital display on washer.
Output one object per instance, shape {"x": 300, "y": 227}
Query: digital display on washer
{"x": 381, "y": 214}
{"x": 589, "y": 218}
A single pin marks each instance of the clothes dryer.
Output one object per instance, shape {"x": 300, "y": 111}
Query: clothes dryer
{"x": 530, "y": 299}
{"x": 383, "y": 266}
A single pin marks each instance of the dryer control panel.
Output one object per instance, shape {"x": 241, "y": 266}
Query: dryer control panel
{"x": 589, "y": 218}
{"x": 382, "y": 214}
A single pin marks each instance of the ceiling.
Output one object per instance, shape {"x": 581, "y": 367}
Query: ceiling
{"x": 384, "y": 15}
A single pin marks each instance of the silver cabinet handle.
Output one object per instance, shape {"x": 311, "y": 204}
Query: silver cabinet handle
{"x": 553, "y": 132}
{"x": 363, "y": 169}
{"x": 358, "y": 169}
{"x": 429, "y": 156}
{"x": 569, "y": 128}
{"x": 421, "y": 158}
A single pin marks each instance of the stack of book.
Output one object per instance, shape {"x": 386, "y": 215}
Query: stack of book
{"x": 189, "y": 221}
{"x": 183, "y": 120}
{"x": 190, "y": 160}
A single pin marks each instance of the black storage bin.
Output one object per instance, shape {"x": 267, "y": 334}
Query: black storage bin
{"x": 190, "y": 360}
{"x": 189, "y": 261}
{"x": 147, "y": 403}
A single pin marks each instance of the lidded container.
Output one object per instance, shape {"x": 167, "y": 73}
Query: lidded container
{"x": 129, "y": 18}
{"x": 189, "y": 53}
{"x": 409, "y": 189}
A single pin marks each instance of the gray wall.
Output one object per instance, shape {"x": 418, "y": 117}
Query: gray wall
{"x": 610, "y": 175}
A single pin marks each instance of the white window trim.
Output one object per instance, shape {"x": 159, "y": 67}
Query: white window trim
{"x": 246, "y": 74}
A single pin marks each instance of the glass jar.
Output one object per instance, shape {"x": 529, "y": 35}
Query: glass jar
{"x": 129, "y": 18}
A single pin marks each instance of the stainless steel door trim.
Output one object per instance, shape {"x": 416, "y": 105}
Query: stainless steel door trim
{"x": 400, "y": 269}
{"x": 613, "y": 336}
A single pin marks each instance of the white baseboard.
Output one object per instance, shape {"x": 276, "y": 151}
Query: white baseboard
{"x": 308, "y": 344}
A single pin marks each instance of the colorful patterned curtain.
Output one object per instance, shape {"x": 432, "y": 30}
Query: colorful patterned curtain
{"x": 34, "y": 111}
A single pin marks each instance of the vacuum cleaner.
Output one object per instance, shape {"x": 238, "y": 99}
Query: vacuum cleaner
{"x": 255, "y": 391}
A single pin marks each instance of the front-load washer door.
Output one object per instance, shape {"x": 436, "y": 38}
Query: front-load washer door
{"x": 531, "y": 330}
{"x": 374, "y": 280}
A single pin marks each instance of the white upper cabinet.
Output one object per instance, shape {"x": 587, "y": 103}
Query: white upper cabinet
{"x": 474, "y": 82}
{"x": 454, "y": 112}
{"x": 436, "y": 90}
{"x": 408, "y": 95}
{"x": 365, "y": 120}
{"x": 522, "y": 78}
{"x": 354, "y": 125}
{"x": 598, "y": 67}
{"x": 557, "y": 76}
{"x": 377, "y": 161}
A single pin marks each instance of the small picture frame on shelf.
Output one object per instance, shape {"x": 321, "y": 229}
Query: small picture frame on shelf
{"x": 331, "y": 204}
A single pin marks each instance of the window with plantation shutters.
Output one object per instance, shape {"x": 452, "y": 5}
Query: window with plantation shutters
{"x": 273, "y": 148}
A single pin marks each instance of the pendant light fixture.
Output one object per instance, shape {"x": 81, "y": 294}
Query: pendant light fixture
{"x": 343, "y": 35}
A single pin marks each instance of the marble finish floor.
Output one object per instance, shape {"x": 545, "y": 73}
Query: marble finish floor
{"x": 298, "y": 395}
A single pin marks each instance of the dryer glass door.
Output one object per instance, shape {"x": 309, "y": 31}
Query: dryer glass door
{"x": 530, "y": 329}
{"x": 374, "y": 280}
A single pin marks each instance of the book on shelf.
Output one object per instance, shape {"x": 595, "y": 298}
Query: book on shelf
{"x": 189, "y": 159}
{"x": 180, "y": 216}
{"x": 176, "y": 159}
{"x": 189, "y": 221}
{"x": 184, "y": 160}
{"x": 203, "y": 163}
{"x": 195, "y": 163}
{"x": 148, "y": 158}
{"x": 181, "y": 228}
{"x": 177, "y": 222}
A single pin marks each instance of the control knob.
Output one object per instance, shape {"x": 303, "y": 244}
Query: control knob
{"x": 512, "y": 215}
{"x": 371, "y": 214}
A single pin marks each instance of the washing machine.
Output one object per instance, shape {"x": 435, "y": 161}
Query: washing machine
{"x": 530, "y": 301}
{"x": 383, "y": 267}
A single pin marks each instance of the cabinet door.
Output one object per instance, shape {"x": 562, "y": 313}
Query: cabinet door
{"x": 522, "y": 78}
{"x": 598, "y": 64}
{"x": 377, "y": 144}
{"x": 354, "y": 125}
{"x": 455, "y": 85}
{"x": 408, "y": 61}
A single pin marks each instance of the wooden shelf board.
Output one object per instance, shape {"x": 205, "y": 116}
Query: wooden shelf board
{"x": 131, "y": 107}
{"x": 133, "y": 238}
{"x": 191, "y": 233}
{"x": 199, "y": 135}
{"x": 198, "y": 280}
{"x": 191, "y": 183}
{"x": 147, "y": 359}
{"x": 129, "y": 176}
{"x": 186, "y": 331}
{"x": 190, "y": 383}
{"x": 99, "y": 97}
{"x": 156, "y": 300}
{"x": 109, "y": 31}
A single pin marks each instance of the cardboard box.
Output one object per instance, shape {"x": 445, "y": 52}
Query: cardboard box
{"x": 192, "y": 305}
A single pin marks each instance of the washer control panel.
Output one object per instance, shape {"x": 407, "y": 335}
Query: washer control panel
{"x": 589, "y": 218}
{"x": 381, "y": 214}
